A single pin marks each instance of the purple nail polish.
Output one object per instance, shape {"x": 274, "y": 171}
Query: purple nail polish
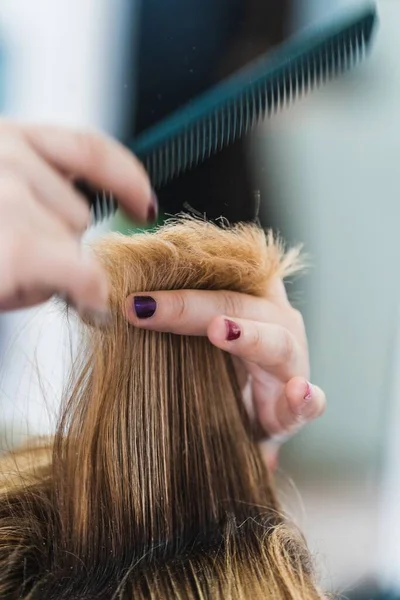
{"x": 153, "y": 209}
{"x": 232, "y": 330}
{"x": 144, "y": 306}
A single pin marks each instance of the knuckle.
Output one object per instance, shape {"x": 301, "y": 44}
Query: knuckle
{"x": 231, "y": 303}
{"x": 13, "y": 148}
{"x": 257, "y": 341}
{"x": 15, "y": 252}
{"x": 12, "y": 153}
{"x": 180, "y": 306}
{"x": 12, "y": 192}
{"x": 287, "y": 350}
{"x": 298, "y": 325}
{"x": 282, "y": 427}
{"x": 91, "y": 148}
{"x": 12, "y": 252}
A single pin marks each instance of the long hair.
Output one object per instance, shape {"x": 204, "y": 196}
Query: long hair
{"x": 153, "y": 486}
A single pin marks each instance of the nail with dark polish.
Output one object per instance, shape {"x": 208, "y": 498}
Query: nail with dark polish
{"x": 144, "y": 306}
{"x": 232, "y": 330}
{"x": 153, "y": 209}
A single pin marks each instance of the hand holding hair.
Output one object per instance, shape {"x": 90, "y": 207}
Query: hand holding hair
{"x": 42, "y": 215}
{"x": 154, "y": 485}
{"x": 267, "y": 337}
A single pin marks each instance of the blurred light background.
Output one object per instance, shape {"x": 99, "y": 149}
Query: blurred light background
{"x": 334, "y": 158}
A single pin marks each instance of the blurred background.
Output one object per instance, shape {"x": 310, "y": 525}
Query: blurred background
{"x": 327, "y": 174}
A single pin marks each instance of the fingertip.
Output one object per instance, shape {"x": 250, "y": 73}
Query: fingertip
{"x": 141, "y": 206}
{"x": 89, "y": 286}
{"x": 134, "y": 190}
{"x": 139, "y": 310}
{"x": 152, "y": 211}
{"x": 297, "y": 389}
{"x": 319, "y": 398}
{"x": 217, "y": 331}
{"x": 305, "y": 399}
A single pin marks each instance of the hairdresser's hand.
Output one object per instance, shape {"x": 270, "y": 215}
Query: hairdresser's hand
{"x": 267, "y": 339}
{"x": 42, "y": 216}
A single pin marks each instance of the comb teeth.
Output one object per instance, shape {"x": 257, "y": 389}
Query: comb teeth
{"x": 102, "y": 204}
{"x": 230, "y": 110}
{"x": 102, "y": 207}
{"x": 215, "y": 122}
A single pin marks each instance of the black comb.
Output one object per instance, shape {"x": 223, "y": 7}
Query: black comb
{"x": 232, "y": 108}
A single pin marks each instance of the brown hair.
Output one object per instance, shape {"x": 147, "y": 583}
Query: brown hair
{"x": 153, "y": 486}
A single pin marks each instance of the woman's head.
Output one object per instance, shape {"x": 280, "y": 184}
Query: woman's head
{"x": 154, "y": 486}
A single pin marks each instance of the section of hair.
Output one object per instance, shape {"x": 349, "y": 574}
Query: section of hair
{"x": 155, "y": 487}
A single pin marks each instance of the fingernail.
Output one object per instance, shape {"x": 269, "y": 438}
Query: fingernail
{"x": 232, "y": 330}
{"x": 306, "y": 400}
{"x": 309, "y": 392}
{"x": 153, "y": 209}
{"x": 144, "y": 306}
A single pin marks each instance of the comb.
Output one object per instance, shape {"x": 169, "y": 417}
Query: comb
{"x": 102, "y": 204}
{"x": 231, "y": 109}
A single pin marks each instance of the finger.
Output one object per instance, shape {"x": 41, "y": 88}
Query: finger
{"x": 50, "y": 188}
{"x": 60, "y": 271}
{"x": 300, "y": 404}
{"x": 63, "y": 270}
{"x": 41, "y": 264}
{"x": 277, "y": 292}
{"x": 72, "y": 273}
{"x": 272, "y": 347}
{"x": 189, "y": 312}
{"x": 102, "y": 161}
{"x": 40, "y": 256}
{"x": 19, "y": 297}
